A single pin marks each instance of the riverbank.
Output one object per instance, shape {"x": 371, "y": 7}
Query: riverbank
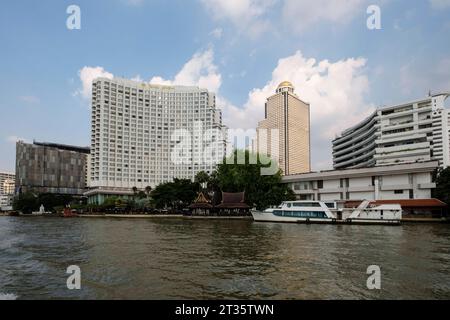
{"x": 154, "y": 216}
{"x": 178, "y": 216}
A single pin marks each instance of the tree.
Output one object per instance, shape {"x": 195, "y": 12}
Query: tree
{"x": 201, "y": 177}
{"x": 177, "y": 194}
{"x": 261, "y": 191}
{"x": 442, "y": 179}
{"x": 26, "y": 202}
{"x": 148, "y": 190}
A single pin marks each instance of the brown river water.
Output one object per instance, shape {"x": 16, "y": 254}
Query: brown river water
{"x": 174, "y": 258}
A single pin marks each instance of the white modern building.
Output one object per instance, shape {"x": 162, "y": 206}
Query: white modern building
{"x": 143, "y": 135}
{"x": 390, "y": 182}
{"x": 7, "y": 186}
{"x": 405, "y": 133}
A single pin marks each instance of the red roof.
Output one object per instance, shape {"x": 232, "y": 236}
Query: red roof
{"x": 407, "y": 203}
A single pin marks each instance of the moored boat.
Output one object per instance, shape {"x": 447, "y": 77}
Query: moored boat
{"x": 68, "y": 213}
{"x": 327, "y": 212}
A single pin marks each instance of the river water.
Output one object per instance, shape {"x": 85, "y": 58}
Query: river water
{"x": 175, "y": 258}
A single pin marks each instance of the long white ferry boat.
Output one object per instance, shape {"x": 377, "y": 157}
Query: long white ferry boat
{"x": 327, "y": 212}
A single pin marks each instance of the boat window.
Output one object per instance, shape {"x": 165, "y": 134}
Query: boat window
{"x": 300, "y": 214}
{"x": 307, "y": 204}
{"x": 288, "y": 205}
{"x": 331, "y": 205}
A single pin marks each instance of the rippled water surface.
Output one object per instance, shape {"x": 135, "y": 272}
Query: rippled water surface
{"x": 215, "y": 259}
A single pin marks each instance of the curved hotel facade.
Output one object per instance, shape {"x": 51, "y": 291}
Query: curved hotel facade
{"x": 132, "y": 135}
{"x": 405, "y": 133}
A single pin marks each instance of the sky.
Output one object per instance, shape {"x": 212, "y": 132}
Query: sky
{"x": 240, "y": 49}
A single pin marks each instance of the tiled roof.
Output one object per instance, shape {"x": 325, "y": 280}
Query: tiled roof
{"x": 406, "y": 203}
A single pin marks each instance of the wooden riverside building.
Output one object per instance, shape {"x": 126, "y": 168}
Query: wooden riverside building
{"x": 232, "y": 204}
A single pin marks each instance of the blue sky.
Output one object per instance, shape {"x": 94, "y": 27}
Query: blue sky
{"x": 240, "y": 49}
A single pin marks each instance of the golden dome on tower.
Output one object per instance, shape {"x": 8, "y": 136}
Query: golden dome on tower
{"x": 285, "y": 84}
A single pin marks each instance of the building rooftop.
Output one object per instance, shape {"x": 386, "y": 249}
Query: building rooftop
{"x": 63, "y": 147}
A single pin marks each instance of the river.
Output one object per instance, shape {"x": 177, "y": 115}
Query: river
{"x": 176, "y": 258}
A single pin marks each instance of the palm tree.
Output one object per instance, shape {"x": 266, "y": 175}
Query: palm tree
{"x": 148, "y": 189}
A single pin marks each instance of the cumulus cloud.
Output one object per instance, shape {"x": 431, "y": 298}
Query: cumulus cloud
{"x": 87, "y": 75}
{"x": 246, "y": 15}
{"x": 199, "y": 71}
{"x": 335, "y": 91}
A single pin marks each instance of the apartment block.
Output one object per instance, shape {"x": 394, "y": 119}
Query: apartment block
{"x": 7, "y": 185}
{"x": 405, "y": 133}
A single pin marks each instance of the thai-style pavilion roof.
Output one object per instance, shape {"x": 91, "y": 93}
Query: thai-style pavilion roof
{"x": 233, "y": 201}
{"x": 201, "y": 202}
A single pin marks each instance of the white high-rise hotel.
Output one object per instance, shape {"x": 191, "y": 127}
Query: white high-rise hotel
{"x": 143, "y": 135}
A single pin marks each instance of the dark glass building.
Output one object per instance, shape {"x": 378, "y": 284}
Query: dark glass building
{"x": 50, "y": 167}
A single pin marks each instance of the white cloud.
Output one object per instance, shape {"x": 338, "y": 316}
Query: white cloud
{"x": 440, "y": 4}
{"x": 300, "y": 15}
{"x": 87, "y": 75}
{"x": 247, "y": 15}
{"x": 30, "y": 99}
{"x": 199, "y": 71}
{"x": 335, "y": 91}
{"x": 217, "y": 33}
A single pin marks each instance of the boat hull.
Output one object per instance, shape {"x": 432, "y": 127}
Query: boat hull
{"x": 259, "y": 216}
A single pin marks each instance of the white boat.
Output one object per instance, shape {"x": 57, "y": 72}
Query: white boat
{"x": 327, "y": 212}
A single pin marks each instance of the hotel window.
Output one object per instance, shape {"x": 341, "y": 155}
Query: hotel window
{"x": 320, "y": 184}
{"x": 398, "y": 192}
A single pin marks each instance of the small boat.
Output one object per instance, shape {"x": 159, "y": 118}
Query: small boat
{"x": 327, "y": 212}
{"x": 67, "y": 213}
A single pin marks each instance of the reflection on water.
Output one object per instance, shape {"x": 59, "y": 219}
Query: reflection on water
{"x": 213, "y": 259}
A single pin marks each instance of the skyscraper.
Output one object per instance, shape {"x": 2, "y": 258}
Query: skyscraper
{"x": 288, "y": 117}
{"x": 137, "y": 129}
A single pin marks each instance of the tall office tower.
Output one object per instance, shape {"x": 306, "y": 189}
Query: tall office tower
{"x": 405, "y": 133}
{"x": 51, "y": 167}
{"x": 138, "y": 131}
{"x": 290, "y": 116}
